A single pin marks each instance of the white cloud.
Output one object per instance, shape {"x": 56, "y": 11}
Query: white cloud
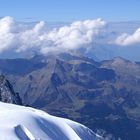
{"x": 6, "y": 35}
{"x": 30, "y": 38}
{"x": 76, "y": 35}
{"x": 126, "y": 39}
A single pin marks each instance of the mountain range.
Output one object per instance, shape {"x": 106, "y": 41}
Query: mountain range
{"x": 104, "y": 95}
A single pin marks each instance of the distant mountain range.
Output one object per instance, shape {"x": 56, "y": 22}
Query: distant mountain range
{"x": 101, "y": 95}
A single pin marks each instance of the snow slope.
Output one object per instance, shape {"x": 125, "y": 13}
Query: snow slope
{"x": 24, "y": 123}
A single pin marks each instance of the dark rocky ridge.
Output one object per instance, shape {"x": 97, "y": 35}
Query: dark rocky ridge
{"x": 7, "y": 93}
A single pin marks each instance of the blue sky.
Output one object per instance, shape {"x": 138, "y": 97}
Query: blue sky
{"x": 70, "y": 10}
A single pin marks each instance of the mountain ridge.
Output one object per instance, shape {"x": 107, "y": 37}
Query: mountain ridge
{"x": 7, "y": 93}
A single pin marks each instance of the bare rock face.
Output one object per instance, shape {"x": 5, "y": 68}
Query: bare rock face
{"x": 7, "y": 93}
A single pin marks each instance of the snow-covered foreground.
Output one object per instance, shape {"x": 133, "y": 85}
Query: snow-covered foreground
{"x": 24, "y": 123}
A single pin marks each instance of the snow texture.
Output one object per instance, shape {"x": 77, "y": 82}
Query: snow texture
{"x": 24, "y": 123}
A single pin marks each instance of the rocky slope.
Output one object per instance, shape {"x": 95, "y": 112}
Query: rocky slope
{"x": 7, "y": 93}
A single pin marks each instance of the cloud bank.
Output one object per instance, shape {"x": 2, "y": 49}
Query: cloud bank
{"x": 19, "y": 38}
{"x": 127, "y": 40}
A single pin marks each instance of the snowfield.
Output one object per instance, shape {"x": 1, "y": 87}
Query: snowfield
{"x": 24, "y": 123}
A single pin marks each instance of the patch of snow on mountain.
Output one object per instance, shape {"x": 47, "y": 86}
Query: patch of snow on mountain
{"x": 24, "y": 123}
